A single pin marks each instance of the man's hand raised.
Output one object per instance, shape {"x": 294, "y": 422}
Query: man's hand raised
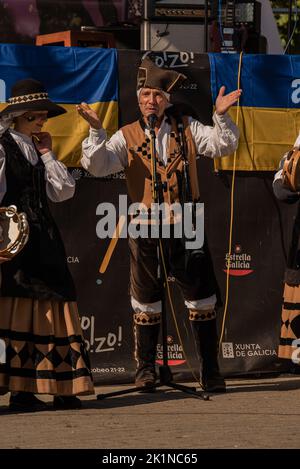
{"x": 225, "y": 101}
{"x": 89, "y": 115}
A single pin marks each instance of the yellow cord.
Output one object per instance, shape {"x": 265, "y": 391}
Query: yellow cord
{"x": 231, "y": 211}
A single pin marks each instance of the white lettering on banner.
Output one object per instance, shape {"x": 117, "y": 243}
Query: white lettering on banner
{"x": 175, "y": 60}
{"x": 111, "y": 369}
{"x": 230, "y": 350}
{"x": 2, "y": 351}
{"x": 172, "y": 59}
{"x": 261, "y": 353}
{"x": 246, "y": 346}
{"x": 296, "y": 92}
{"x": 72, "y": 260}
{"x": 238, "y": 261}
{"x": 175, "y": 352}
{"x": 296, "y": 353}
{"x": 99, "y": 344}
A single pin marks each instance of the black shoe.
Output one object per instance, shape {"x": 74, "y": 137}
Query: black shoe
{"x": 66, "y": 402}
{"x": 26, "y": 402}
{"x": 146, "y": 380}
{"x": 214, "y": 384}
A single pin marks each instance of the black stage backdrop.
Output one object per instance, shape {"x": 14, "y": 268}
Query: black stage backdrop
{"x": 261, "y": 234}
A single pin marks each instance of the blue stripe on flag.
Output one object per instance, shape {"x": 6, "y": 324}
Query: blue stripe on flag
{"x": 70, "y": 74}
{"x": 267, "y": 81}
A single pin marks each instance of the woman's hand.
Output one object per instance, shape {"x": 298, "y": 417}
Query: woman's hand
{"x": 42, "y": 142}
{"x": 89, "y": 115}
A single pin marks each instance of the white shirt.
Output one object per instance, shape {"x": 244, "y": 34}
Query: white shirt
{"x": 60, "y": 185}
{"x": 102, "y": 157}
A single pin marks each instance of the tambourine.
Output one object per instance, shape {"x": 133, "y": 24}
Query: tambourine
{"x": 291, "y": 170}
{"x": 14, "y": 231}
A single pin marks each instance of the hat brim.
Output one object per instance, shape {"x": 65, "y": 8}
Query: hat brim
{"x": 38, "y": 105}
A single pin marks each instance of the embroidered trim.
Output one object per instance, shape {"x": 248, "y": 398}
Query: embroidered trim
{"x": 28, "y": 97}
{"x": 202, "y": 315}
{"x": 146, "y": 319}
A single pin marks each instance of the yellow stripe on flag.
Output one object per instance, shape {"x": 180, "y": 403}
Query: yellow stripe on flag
{"x": 69, "y": 130}
{"x": 265, "y": 135}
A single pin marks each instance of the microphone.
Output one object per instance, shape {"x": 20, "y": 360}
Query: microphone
{"x": 152, "y": 119}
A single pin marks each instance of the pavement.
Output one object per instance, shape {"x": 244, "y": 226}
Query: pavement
{"x": 254, "y": 413}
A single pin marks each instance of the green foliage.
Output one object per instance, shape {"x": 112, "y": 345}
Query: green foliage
{"x": 282, "y": 23}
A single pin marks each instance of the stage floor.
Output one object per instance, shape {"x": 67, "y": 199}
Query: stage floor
{"x": 254, "y": 413}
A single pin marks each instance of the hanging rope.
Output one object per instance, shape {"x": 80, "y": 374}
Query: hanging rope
{"x": 231, "y": 210}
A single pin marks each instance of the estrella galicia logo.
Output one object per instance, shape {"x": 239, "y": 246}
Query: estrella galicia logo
{"x": 175, "y": 353}
{"x": 239, "y": 262}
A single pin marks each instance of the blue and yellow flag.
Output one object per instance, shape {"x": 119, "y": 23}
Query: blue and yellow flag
{"x": 269, "y": 112}
{"x": 71, "y": 75}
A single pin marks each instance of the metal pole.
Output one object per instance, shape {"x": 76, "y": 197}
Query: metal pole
{"x": 205, "y": 25}
{"x": 289, "y": 29}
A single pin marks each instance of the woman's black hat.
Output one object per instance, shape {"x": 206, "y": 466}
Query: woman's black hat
{"x": 31, "y": 95}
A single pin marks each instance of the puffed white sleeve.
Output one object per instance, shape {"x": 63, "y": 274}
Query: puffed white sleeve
{"x": 102, "y": 157}
{"x": 221, "y": 139}
{"x": 60, "y": 185}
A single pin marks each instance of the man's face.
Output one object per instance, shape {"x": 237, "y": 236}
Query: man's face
{"x": 152, "y": 101}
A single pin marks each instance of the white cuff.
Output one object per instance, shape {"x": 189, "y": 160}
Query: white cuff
{"x": 205, "y": 303}
{"x": 222, "y": 118}
{"x": 146, "y": 307}
{"x": 96, "y": 134}
{"x": 49, "y": 156}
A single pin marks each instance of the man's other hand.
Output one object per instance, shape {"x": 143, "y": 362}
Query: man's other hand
{"x": 89, "y": 115}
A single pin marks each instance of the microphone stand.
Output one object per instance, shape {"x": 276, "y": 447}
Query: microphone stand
{"x": 165, "y": 374}
{"x": 205, "y": 26}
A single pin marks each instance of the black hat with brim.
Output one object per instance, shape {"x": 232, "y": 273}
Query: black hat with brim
{"x": 31, "y": 95}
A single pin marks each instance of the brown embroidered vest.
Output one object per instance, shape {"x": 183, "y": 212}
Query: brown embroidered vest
{"x": 138, "y": 171}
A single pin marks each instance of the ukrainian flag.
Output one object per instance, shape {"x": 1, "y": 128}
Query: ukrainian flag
{"x": 269, "y": 112}
{"x": 71, "y": 75}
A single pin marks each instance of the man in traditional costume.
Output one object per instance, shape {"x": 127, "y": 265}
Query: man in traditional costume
{"x": 129, "y": 150}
